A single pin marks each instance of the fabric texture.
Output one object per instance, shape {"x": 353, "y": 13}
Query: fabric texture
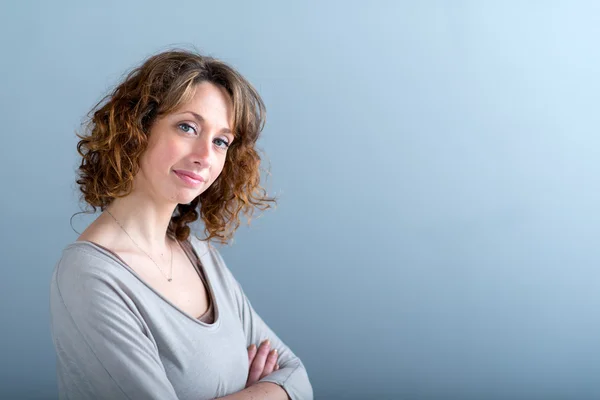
{"x": 117, "y": 338}
{"x": 208, "y": 316}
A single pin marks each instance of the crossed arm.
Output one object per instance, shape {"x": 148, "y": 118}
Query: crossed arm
{"x": 262, "y": 362}
{"x": 260, "y": 390}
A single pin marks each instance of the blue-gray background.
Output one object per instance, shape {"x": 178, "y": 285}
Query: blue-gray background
{"x": 437, "y": 169}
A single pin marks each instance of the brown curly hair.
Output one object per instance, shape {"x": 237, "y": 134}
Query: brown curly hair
{"x": 118, "y": 128}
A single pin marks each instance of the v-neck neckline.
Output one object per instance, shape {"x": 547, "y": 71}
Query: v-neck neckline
{"x": 216, "y": 308}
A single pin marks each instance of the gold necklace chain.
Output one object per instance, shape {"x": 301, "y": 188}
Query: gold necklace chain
{"x": 169, "y": 279}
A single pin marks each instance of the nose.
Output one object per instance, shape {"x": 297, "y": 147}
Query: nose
{"x": 203, "y": 151}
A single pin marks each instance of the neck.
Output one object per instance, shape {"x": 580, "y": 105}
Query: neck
{"x": 143, "y": 220}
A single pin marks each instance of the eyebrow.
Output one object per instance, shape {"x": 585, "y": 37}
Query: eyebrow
{"x": 201, "y": 120}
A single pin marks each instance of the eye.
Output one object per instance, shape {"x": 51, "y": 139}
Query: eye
{"x": 187, "y": 128}
{"x": 224, "y": 143}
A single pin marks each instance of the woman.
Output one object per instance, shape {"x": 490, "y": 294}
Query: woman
{"x": 141, "y": 308}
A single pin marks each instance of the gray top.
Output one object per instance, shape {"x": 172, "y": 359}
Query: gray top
{"x": 117, "y": 338}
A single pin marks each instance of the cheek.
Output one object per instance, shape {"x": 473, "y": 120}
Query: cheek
{"x": 170, "y": 152}
{"x": 217, "y": 168}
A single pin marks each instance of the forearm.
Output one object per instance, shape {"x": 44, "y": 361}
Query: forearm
{"x": 260, "y": 390}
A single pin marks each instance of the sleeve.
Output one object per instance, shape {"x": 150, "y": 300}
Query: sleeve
{"x": 101, "y": 346}
{"x": 292, "y": 375}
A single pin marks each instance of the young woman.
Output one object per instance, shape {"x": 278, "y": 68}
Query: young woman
{"x": 140, "y": 307}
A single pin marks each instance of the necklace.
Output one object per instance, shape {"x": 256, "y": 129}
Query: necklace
{"x": 169, "y": 279}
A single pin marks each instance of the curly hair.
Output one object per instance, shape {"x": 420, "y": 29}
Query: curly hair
{"x": 117, "y": 135}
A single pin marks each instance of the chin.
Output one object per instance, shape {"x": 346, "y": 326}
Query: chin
{"x": 186, "y": 198}
{"x": 185, "y": 202}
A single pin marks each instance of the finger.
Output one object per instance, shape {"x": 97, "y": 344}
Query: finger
{"x": 252, "y": 350}
{"x": 269, "y": 363}
{"x": 258, "y": 364}
{"x": 276, "y": 367}
{"x": 251, "y": 353}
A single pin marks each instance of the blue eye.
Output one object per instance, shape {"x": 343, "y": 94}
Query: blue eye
{"x": 225, "y": 143}
{"x": 189, "y": 129}
{"x": 186, "y": 127}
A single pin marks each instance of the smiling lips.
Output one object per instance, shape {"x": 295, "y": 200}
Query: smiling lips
{"x": 190, "y": 177}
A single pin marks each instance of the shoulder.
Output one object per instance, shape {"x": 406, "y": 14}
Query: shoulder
{"x": 85, "y": 268}
{"x": 206, "y": 251}
{"x": 89, "y": 285}
{"x": 82, "y": 257}
{"x": 211, "y": 259}
{"x": 89, "y": 290}
{"x": 202, "y": 247}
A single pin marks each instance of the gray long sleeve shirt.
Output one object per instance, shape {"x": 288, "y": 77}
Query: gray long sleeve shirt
{"x": 117, "y": 338}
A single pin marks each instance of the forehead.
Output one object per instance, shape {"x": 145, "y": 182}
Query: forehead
{"x": 211, "y": 101}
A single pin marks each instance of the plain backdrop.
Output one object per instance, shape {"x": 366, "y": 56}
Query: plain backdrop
{"x": 436, "y": 164}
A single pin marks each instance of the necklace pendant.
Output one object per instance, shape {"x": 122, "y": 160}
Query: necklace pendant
{"x": 170, "y": 279}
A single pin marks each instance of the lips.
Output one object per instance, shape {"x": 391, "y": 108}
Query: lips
{"x": 191, "y": 175}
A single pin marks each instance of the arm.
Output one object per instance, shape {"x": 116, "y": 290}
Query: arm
{"x": 102, "y": 349}
{"x": 291, "y": 377}
{"x": 260, "y": 390}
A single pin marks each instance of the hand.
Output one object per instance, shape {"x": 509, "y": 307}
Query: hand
{"x": 262, "y": 362}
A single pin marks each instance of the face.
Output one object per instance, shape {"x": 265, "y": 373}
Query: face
{"x": 187, "y": 148}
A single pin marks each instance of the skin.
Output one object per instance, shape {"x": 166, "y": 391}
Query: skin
{"x": 181, "y": 141}
{"x": 262, "y": 362}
